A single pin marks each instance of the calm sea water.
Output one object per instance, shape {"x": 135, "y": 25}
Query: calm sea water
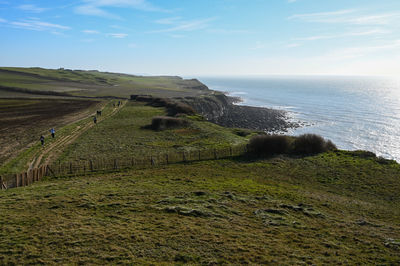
{"x": 354, "y": 112}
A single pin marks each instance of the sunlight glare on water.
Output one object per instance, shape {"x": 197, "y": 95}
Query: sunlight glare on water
{"x": 356, "y": 113}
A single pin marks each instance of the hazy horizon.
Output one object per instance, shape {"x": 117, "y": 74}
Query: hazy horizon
{"x": 204, "y": 38}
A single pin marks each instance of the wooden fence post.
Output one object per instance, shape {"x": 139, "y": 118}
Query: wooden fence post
{"x": 70, "y": 167}
{"x": 166, "y": 158}
{"x": 91, "y": 165}
{"x": 215, "y": 154}
{"x": 16, "y": 180}
{"x": 1, "y": 183}
{"x": 23, "y": 181}
{"x": 115, "y": 164}
{"x": 152, "y": 161}
{"x": 230, "y": 151}
{"x": 184, "y": 156}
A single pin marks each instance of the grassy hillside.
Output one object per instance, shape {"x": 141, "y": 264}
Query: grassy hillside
{"x": 94, "y": 83}
{"x": 125, "y": 136}
{"x": 334, "y": 208}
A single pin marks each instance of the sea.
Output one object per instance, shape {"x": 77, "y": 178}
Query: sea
{"x": 356, "y": 113}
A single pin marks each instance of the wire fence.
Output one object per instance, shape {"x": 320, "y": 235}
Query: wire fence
{"x": 90, "y": 166}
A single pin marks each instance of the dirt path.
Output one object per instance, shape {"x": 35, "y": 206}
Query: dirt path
{"x": 52, "y": 151}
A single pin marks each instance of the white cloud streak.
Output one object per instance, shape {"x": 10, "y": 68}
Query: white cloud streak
{"x": 118, "y": 35}
{"x": 3, "y": 20}
{"x": 32, "y": 8}
{"x": 98, "y": 7}
{"x": 355, "y": 52}
{"x": 344, "y": 35}
{"x": 37, "y": 25}
{"x": 348, "y": 16}
{"x": 178, "y": 25}
{"x": 91, "y": 31}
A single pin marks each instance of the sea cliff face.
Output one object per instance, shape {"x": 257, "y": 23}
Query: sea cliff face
{"x": 220, "y": 109}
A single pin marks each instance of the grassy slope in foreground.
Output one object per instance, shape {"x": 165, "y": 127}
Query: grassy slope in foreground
{"x": 331, "y": 208}
{"x": 95, "y": 83}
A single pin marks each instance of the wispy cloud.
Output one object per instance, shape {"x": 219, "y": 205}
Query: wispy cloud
{"x": 347, "y": 16}
{"x": 293, "y": 45}
{"x": 229, "y": 31}
{"x": 178, "y": 25}
{"x": 32, "y": 8}
{"x": 291, "y": 1}
{"x": 354, "y": 52}
{"x": 118, "y": 35}
{"x": 37, "y": 25}
{"x": 91, "y": 31}
{"x": 258, "y": 46}
{"x": 344, "y": 35}
{"x": 168, "y": 21}
{"x": 98, "y": 7}
{"x": 3, "y": 20}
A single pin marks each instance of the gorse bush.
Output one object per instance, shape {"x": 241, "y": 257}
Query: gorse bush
{"x": 269, "y": 144}
{"x": 312, "y": 144}
{"x": 280, "y": 144}
{"x": 166, "y": 122}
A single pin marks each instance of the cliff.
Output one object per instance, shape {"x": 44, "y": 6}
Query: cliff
{"x": 220, "y": 109}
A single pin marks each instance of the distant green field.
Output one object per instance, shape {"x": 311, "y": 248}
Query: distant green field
{"x": 94, "y": 83}
{"x": 334, "y": 208}
{"x": 123, "y": 136}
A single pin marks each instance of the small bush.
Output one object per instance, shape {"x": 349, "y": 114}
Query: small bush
{"x": 165, "y": 122}
{"x": 269, "y": 144}
{"x": 312, "y": 144}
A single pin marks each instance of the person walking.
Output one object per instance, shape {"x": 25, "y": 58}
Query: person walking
{"x": 53, "y": 132}
{"x": 95, "y": 119}
{"x": 42, "y": 139}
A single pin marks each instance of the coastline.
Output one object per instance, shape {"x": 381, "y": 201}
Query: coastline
{"x": 223, "y": 110}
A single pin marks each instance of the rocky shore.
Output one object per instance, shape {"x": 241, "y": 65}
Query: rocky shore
{"x": 222, "y": 110}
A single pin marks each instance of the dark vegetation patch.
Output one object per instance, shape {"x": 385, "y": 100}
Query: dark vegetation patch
{"x": 172, "y": 106}
{"x": 280, "y": 144}
{"x": 166, "y": 122}
{"x": 312, "y": 144}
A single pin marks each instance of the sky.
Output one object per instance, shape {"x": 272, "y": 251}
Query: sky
{"x": 204, "y": 37}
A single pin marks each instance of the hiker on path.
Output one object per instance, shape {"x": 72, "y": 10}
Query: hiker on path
{"x": 52, "y": 131}
{"x": 42, "y": 139}
{"x": 95, "y": 119}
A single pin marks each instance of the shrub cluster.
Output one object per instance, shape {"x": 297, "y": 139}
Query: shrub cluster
{"x": 166, "y": 122}
{"x": 312, "y": 144}
{"x": 280, "y": 144}
{"x": 269, "y": 144}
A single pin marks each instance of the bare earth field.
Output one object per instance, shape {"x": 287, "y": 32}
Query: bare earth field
{"x": 22, "y": 121}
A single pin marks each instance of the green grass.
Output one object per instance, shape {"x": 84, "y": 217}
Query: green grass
{"x": 94, "y": 83}
{"x": 123, "y": 136}
{"x": 272, "y": 211}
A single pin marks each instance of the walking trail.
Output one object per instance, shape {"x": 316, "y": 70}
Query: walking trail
{"x": 52, "y": 151}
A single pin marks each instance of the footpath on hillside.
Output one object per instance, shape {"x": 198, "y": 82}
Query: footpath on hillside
{"x": 50, "y": 152}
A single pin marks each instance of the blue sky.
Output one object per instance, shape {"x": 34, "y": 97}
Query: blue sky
{"x": 204, "y": 37}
